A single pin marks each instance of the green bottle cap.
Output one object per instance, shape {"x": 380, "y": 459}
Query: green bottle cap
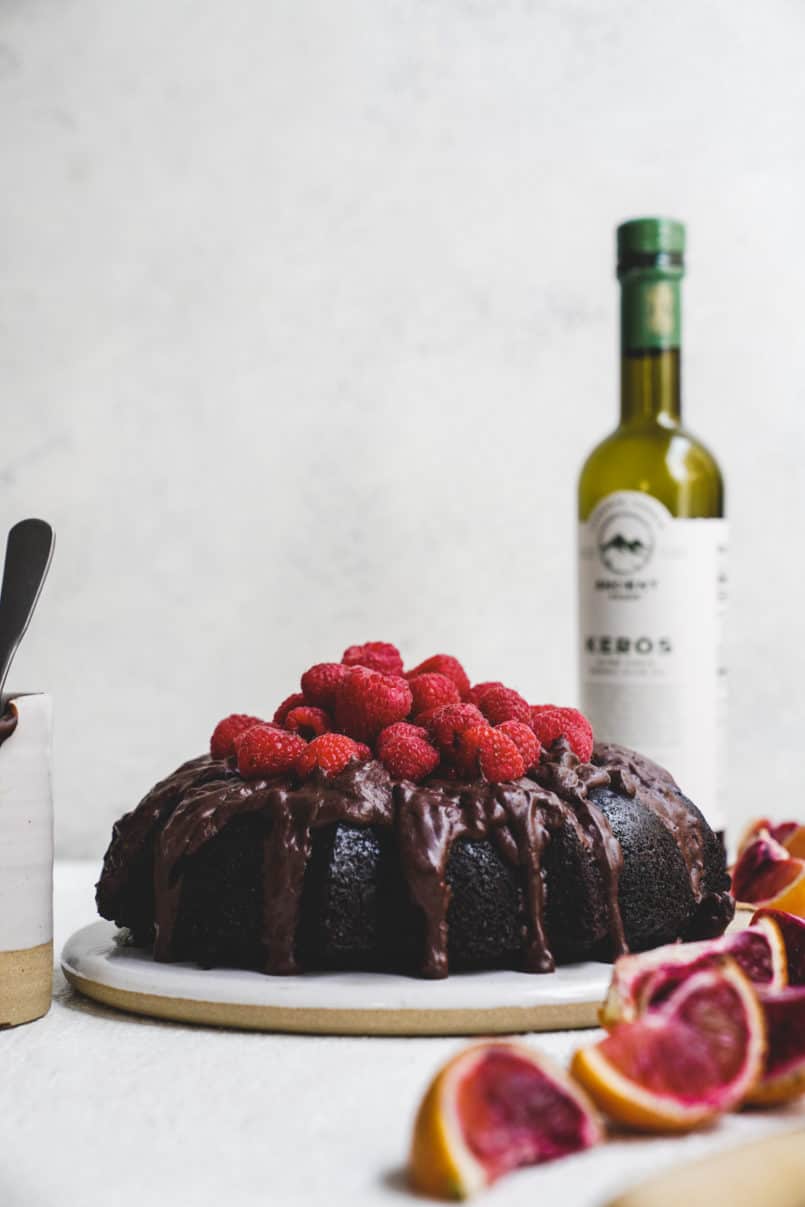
{"x": 650, "y": 269}
{"x": 650, "y": 242}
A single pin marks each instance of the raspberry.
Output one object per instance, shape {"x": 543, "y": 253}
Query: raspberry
{"x": 264, "y": 751}
{"x": 331, "y": 752}
{"x": 320, "y": 682}
{"x": 431, "y": 691}
{"x": 288, "y": 703}
{"x": 375, "y": 656}
{"x": 477, "y": 692}
{"x": 524, "y": 739}
{"x": 550, "y": 722}
{"x": 499, "y": 704}
{"x": 222, "y": 742}
{"x": 444, "y": 664}
{"x": 308, "y": 721}
{"x": 406, "y": 752}
{"x": 447, "y": 725}
{"x": 498, "y": 756}
{"x": 466, "y": 750}
{"x": 367, "y": 702}
{"x": 423, "y": 719}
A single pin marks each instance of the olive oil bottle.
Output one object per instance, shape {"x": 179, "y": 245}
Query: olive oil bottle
{"x": 653, "y": 543}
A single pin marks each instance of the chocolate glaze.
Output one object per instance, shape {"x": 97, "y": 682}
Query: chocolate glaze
{"x": 516, "y": 817}
{"x": 634, "y": 775}
{"x": 188, "y": 809}
{"x": 133, "y": 832}
{"x": 565, "y": 775}
{"x": 361, "y": 795}
{"x": 8, "y": 719}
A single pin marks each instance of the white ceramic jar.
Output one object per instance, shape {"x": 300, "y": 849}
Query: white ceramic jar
{"x": 26, "y": 862}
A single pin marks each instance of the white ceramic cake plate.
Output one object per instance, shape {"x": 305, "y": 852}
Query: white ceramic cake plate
{"x": 98, "y": 965}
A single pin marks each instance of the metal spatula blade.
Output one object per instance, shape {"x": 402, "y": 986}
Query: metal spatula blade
{"x": 29, "y": 551}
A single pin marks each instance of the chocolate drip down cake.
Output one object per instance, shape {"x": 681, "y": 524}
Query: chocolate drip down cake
{"x": 406, "y": 821}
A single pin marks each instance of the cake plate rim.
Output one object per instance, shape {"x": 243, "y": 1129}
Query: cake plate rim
{"x": 99, "y": 966}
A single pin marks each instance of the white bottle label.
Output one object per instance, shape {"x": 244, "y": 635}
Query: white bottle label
{"x": 652, "y": 596}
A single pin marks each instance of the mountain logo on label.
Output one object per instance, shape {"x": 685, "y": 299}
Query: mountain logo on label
{"x": 625, "y": 543}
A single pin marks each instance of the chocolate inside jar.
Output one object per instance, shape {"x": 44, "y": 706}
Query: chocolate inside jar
{"x": 8, "y": 718}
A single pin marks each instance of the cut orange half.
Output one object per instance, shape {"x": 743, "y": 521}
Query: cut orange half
{"x": 493, "y": 1108}
{"x": 680, "y": 1065}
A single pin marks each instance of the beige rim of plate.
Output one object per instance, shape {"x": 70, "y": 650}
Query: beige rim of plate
{"x": 99, "y": 966}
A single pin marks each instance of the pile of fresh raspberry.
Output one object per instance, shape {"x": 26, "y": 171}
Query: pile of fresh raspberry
{"x": 427, "y": 721}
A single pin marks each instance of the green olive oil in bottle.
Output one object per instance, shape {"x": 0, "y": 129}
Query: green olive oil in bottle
{"x": 653, "y": 543}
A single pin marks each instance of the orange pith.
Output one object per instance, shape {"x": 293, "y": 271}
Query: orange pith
{"x": 638, "y": 1074}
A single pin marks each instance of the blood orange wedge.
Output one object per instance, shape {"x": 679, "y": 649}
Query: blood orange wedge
{"x": 493, "y": 1108}
{"x": 783, "y": 1078}
{"x": 644, "y": 980}
{"x": 687, "y": 1060}
{"x": 767, "y": 874}
{"x": 790, "y": 834}
{"x": 792, "y": 930}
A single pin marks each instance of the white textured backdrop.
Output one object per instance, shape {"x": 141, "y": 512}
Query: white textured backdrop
{"x": 307, "y": 319}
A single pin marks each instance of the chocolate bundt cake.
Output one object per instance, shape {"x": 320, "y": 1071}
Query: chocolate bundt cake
{"x": 361, "y": 868}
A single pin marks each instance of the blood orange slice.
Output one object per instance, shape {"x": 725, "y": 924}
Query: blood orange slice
{"x": 644, "y": 980}
{"x": 792, "y": 930}
{"x": 493, "y": 1108}
{"x": 697, "y": 1054}
{"x": 790, "y": 834}
{"x": 767, "y": 874}
{"x": 783, "y": 1078}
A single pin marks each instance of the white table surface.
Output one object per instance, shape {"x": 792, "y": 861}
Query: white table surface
{"x": 102, "y": 1108}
